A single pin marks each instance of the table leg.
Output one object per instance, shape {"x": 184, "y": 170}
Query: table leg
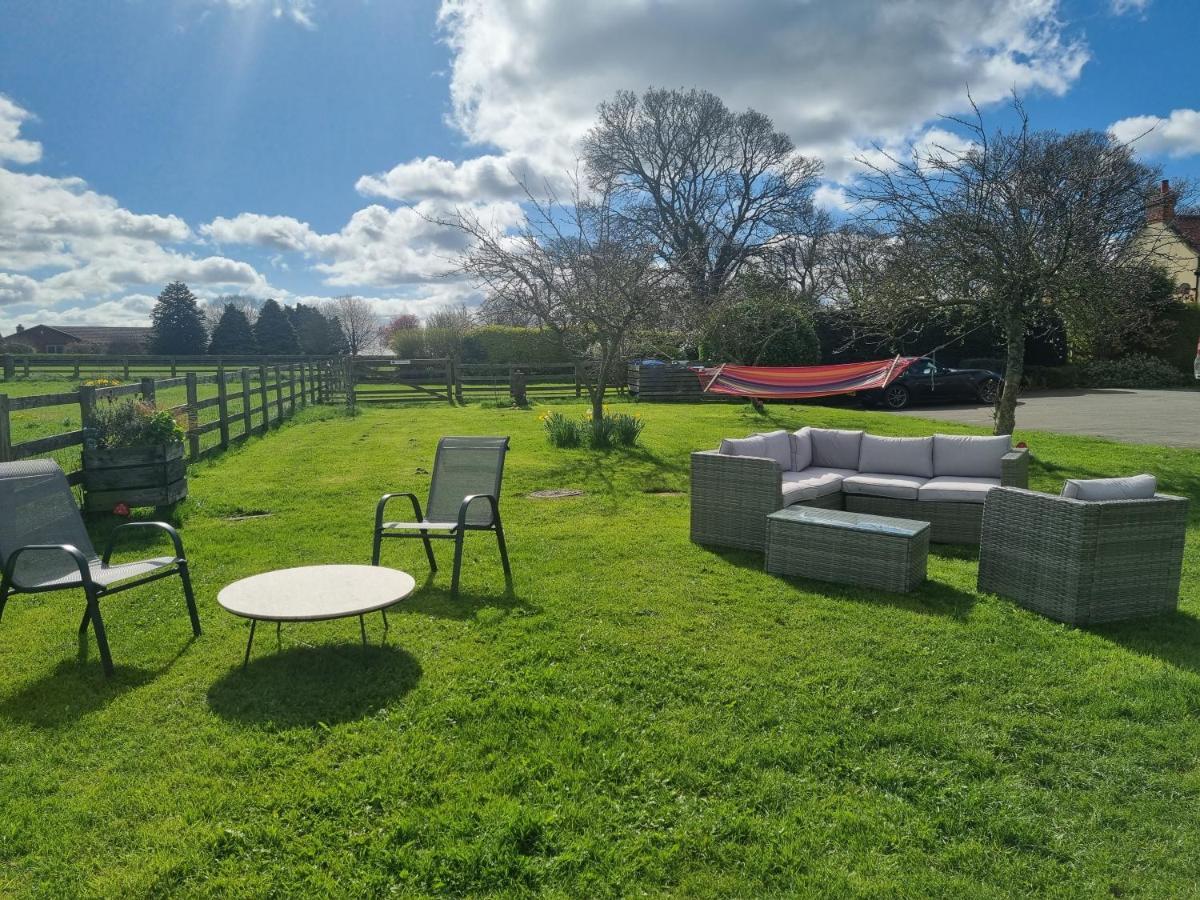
{"x": 363, "y": 626}
{"x": 385, "y": 622}
{"x": 249, "y": 643}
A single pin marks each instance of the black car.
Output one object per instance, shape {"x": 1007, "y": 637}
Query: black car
{"x": 927, "y": 382}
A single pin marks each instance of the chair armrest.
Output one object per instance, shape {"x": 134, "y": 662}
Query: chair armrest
{"x": 10, "y": 566}
{"x": 383, "y": 502}
{"x": 1014, "y": 468}
{"x": 465, "y": 507}
{"x": 161, "y": 526}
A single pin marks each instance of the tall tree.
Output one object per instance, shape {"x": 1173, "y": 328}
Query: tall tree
{"x": 312, "y": 330}
{"x": 176, "y": 323}
{"x": 580, "y": 271}
{"x": 1018, "y": 226}
{"x": 215, "y": 308}
{"x": 713, "y": 188}
{"x": 274, "y": 331}
{"x": 359, "y": 324}
{"x": 233, "y": 334}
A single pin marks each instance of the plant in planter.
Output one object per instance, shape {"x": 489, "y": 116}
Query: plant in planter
{"x": 133, "y": 455}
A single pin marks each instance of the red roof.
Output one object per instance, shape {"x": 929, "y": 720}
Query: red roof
{"x": 1189, "y": 229}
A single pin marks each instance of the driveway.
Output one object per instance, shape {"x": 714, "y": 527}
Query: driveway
{"x": 1171, "y": 418}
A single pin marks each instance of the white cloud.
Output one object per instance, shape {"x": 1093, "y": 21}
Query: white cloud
{"x": 484, "y": 178}
{"x": 1123, "y": 7}
{"x": 1176, "y": 135}
{"x": 835, "y": 76}
{"x": 298, "y": 11}
{"x": 13, "y": 148}
{"x": 276, "y": 232}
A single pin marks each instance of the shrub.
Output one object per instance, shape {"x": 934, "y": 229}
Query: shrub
{"x": 1052, "y": 378}
{"x": 132, "y": 423}
{"x": 17, "y": 347}
{"x": 511, "y": 344}
{"x": 613, "y": 430}
{"x": 1134, "y": 371}
{"x": 561, "y": 431}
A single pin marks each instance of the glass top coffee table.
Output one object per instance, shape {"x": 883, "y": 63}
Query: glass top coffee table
{"x": 315, "y": 593}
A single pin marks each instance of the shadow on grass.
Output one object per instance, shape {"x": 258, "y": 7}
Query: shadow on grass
{"x": 1174, "y": 639}
{"x": 70, "y": 692}
{"x": 324, "y": 684}
{"x": 598, "y": 468}
{"x": 437, "y": 602}
{"x": 931, "y": 597}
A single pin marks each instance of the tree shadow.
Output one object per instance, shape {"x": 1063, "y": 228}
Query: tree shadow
{"x": 1173, "y": 638}
{"x": 437, "y": 602}
{"x": 310, "y": 685}
{"x": 598, "y": 467}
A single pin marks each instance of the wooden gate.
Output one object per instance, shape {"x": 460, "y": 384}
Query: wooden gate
{"x": 388, "y": 379}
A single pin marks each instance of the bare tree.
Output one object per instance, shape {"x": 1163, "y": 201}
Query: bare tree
{"x": 214, "y": 309}
{"x": 360, "y": 325}
{"x": 1018, "y": 225}
{"x": 578, "y": 270}
{"x": 712, "y": 188}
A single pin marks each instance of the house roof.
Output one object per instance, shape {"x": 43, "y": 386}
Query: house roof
{"x": 93, "y": 334}
{"x": 1188, "y": 228}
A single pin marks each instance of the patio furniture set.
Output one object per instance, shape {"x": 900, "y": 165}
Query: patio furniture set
{"x": 855, "y": 508}
{"x": 44, "y": 546}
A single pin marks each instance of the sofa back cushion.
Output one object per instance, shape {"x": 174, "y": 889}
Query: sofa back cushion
{"x": 973, "y": 456}
{"x": 833, "y": 448}
{"x": 802, "y": 451}
{"x": 751, "y": 446}
{"x": 1134, "y": 487}
{"x": 896, "y": 456}
{"x": 779, "y": 447}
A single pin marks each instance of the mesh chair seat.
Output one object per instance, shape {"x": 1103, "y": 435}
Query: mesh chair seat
{"x": 105, "y": 575}
{"x": 426, "y": 525}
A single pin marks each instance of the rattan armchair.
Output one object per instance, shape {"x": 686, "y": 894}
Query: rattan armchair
{"x": 1083, "y": 562}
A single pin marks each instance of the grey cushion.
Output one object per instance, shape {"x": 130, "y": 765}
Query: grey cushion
{"x": 896, "y": 456}
{"x": 802, "y": 449}
{"x": 974, "y": 456}
{"x": 882, "y": 484}
{"x": 751, "y": 446}
{"x": 812, "y": 483}
{"x": 779, "y": 448}
{"x": 957, "y": 489}
{"x": 1134, "y": 487}
{"x": 834, "y": 448}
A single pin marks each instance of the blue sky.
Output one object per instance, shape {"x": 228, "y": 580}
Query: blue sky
{"x": 297, "y": 148}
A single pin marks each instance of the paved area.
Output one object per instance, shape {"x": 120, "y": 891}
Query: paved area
{"x": 1171, "y": 418}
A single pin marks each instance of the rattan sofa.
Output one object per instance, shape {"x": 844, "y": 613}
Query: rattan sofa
{"x": 1084, "y": 561}
{"x": 943, "y": 480}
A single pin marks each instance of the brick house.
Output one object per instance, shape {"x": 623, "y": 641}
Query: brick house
{"x": 62, "y": 338}
{"x": 1176, "y": 240}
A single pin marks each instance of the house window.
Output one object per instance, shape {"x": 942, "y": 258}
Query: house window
{"x": 54, "y": 348}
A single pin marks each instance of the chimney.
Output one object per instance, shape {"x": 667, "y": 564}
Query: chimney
{"x": 20, "y": 328}
{"x": 1162, "y": 208}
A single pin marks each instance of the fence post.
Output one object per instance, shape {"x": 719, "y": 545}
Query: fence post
{"x": 10, "y": 367}
{"x": 278, "y": 396}
{"x": 247, "y": 402}
{"x": 450, "y": 380}
{"x": 351, "y": 399}
{"x": 148, "y": 391}
{"x": 125, "y": 372}
{"x": 516, "y": 387}
{"x": 27, "y": 367}
{"x": 193, "y": 417}
{"x": 87, "y": 410}
{"x": 578, "y": 381}
{"x": 5, "y": 430}
{"x": 173, "y": 367}
{"x": 458, "y": 386}
{"x": 291, "y": 389}
{"x": 76, "y": 372}
{"x": 262, "y": 395}
{"x": 303, "y": 384}
{"x": 223, "y": 407}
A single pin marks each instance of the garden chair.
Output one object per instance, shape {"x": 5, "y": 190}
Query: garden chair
{"x": 464, "y": 495}
{"x": 45, "y": 547}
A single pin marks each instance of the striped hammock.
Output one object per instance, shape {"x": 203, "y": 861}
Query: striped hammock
{"x": 801, "y": 382}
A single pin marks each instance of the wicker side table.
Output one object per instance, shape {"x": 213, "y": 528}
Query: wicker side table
{"x": 847, "y": 547}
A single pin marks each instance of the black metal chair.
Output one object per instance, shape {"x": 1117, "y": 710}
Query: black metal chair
{"x": 45, "y": 547}
{"x": 464, "y": 495}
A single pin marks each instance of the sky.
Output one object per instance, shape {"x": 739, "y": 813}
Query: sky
{"x": 300, "y": 149}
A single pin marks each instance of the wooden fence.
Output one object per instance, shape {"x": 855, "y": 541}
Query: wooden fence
{"x": 242, "y": 402}
{"x": 66, "y": 365}
{"x": 388, "y": 379}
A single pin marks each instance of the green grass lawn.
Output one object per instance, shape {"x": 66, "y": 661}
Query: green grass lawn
{"x": 639, "y": 715}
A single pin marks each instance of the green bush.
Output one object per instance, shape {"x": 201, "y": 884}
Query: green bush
{"x": 1137, "y": 370}
{"x": 505, "y": 344}
{"x": 627, "y": 429}
{"x": 17, "y": 347}
{"x": 1052, "y": 378}
{"x": 561, "y": 431}
{"x": 613, "y": 430}
{"x": 132, "y": 423}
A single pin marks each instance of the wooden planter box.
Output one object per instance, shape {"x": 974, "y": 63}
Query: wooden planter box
{"x": 135, "y": 476}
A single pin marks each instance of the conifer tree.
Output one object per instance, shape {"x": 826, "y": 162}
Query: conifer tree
{"x": 233, "y": 334}
{"x": 176, "y": 324}
{"x": 274, "y": 331}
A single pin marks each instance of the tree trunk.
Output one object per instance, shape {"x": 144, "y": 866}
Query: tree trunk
{"x": 1006, "y": 405}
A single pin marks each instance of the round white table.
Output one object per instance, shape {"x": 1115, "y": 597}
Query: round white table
{"x": 315, "y": 593}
